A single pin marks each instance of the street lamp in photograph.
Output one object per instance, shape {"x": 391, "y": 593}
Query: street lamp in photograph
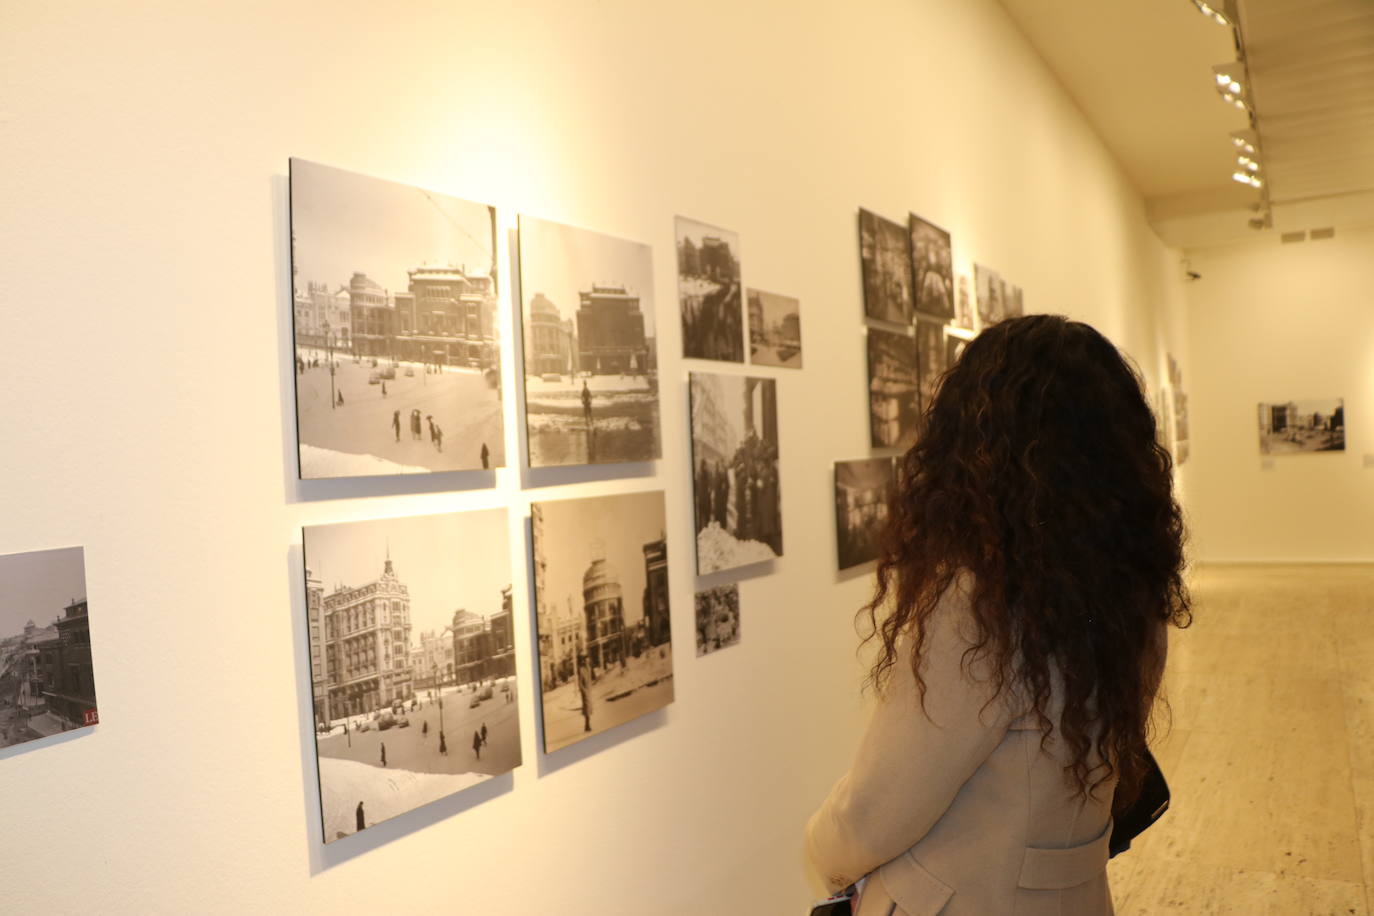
{"x": 329, "y": 349}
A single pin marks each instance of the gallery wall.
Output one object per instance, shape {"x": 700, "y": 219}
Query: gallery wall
{"x": 1271, "y": 322}
{"x": 145, "y": 364}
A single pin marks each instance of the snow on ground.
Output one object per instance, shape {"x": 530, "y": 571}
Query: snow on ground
{"x": 325, "y": 462}
{"x": 718, "y": 549}
{"x": 696, "y": 286}
{"x": 555, "y": 422}
{"x": 600, "y": 402}
{"x": 384, "y": 793}
{"x": 535, "y": 385}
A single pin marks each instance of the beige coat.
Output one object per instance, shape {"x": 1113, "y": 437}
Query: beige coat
{"x": 960, "y": 811}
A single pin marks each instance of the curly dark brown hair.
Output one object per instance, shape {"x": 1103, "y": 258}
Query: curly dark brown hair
{"x": 1037, "y": 475}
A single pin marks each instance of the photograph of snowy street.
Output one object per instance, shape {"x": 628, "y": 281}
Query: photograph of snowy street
{"x": 412, "y": 662}
{"x": 709, "y": 294}
{"x": 932, "y": 266}
{"x": 893, "y": 395}
{"x": 591, "y": 363}
{"x": 737, "y": 499}
{"x": 601, "y": 605}
{"x": 863, "y": 490}
{"x": 885, "y": 260}
{"x": 1309, "y": 425}
{"x": 47, "y": 682}
{"x": 717, "y": 618}
{"x": 774, "y": 330}
{"x": 397, "y": 352}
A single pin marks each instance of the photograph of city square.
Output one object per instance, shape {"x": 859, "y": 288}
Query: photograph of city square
{"x": 47, "y": 681}
{"x": 1291, "y": 427}
{"x": 736, "y": 493}
{"x": 932, "y": 265}
{"x": 893, "y": 395}
{"x": 709, "y": 294}
{"x": 412, "y": 662}
{"x": 397, "y": 357}
{"x": 774, "y": 330}
{"x": 591, "y": 364}
{"x": 601, "y": 606}
{"x": 885, "y": 260}
{"x": 717, "y": 618}
{"x": 863, "y": 490}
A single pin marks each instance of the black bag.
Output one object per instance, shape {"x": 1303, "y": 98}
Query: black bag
{"x": 1147, "y": 808}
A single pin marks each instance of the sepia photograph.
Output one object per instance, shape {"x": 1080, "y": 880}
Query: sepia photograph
{"x": 932, "y": 269}
{"x": 1015, "y": 306}
{"x": 885, "y": 261}
{"x": 412, "y": 662}
{"x": 863, "y": 491}
{"x": 893, "y": 389}
{"x": 774, "y": 330}
{"x": 963, "y": 304}
{"x": 47, "y": 680}
{"x": 717, "y": 618}
{"x": 590, "y": 344}
{"x": 398, "y": 365}
{"x": 930, "y": 358}
{"x": 1290, "y": 427}
{"x": 709, "y": 293}
{"x": 601, "y": 606}
{"x": 954, "y": 348}
{"x": 988, "y": 292}
{"x": 736, "y": 493}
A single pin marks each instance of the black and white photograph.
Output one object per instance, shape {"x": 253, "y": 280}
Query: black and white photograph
{"x": 397, "y": 350}
{"x": 736, "y": 492}
{"x": 1014, "y": 301}
{"x": 885, "y": 260}
{"x": 412, "y": 662}
{"x": 989, "y": 293}
{"x": 601, "y": 603}
{"x": 709, "y": 293}
{"x": 1164, "y": 424}
{"x": 590, "y": 343}
{"x": 47, "y": 679}
{"x": 954, "y": 348}
{"x": 893, "y": 389}
{"x": 932, "y": 269}
{"x": 963, "y": 304}
{"x": 774, "y": 330}
{"x": 717, "y": 618}
{"x": 863, "y": 492}
{"x": 930, "y": 358}
{"x": 1309, "y": 425}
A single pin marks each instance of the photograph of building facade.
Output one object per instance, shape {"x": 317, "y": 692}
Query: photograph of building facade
{"x": 863, "y": 492}
{"x": 1310, "y": 425}
{"x": 893, "y": 389}
{"x": 885, "y": 261}
{"x": 413, "y": 667}
{"x": 602, "y": 611}
{"x": 397, "y": 350}
{"x": 710, "y": 298}
{"x": 774, "y": 330}
{"x": 932, "y": 269}
{"x": 591, "y": 366}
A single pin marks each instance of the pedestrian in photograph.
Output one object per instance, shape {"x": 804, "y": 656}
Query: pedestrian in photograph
{"x": 383, "y": 389}
{"x": 484, "y": 734}
{"x": 383, "y": 753}
{"x": 486, "y": 457}
{"x": 584, "y": 692}
{"x": 396, "y": 423}
{"x": 415, "y": 426}
{"x": 443, "y": 745}
{"x": 358, "y": 814}
{"x": 424, "y": 729}
{"x": 477, "y": 744}
{"x": 438, "y": 437}
{"x": 340, "y": 398}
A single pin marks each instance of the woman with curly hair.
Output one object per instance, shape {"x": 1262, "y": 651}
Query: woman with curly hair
{"x": 1032, "y": 560}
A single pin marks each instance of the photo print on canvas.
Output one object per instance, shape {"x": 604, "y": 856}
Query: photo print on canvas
{"x": 863, "y": 492}
{"x": 738, "y": 502}
{"x": 717, "y": 618}
{"x": 709, "y": 293}
{"x": 591, "y": 363}
{"x": 932, "y": 266}
{"x": 963, "y": 304}
{"x": 930, "y": 358}
{"x": 774, "y": 330}
{"x": 988, "y": 294}
{"x": 885, "y": 261}
{"x": 601, "y": 603}
{"x": 1294, "y": 427}
{"x": 412, "y": 662}
{"x": 396, "y": 348}
{"x": 893, "y": 389}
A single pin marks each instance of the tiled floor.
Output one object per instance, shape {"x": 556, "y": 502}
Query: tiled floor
{"x": 1270, "y": 756}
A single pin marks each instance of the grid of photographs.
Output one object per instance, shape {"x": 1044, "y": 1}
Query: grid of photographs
{"x": 709, "y": 294}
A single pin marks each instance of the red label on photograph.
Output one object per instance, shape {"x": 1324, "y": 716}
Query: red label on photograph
{"x": 92, "y": 717}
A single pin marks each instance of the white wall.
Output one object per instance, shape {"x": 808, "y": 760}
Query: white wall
{"x": 148, "y": 404}
{"x": 1270, "y": 323}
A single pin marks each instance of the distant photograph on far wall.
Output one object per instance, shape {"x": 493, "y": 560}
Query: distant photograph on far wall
{"x": 885, "y": 260}
{"x": 1310, "y": 425}
{"x": 47, "y": 680}
{"x": 989, "y": 295}
{"x": 709, "y": 294}
{"x": 863, "y": 493}
{"x": 930, "y": 358}
{"x": 932, "y": 269}
{"x": 774, "y": 330}
{"x": 963, "y": 304}
{"x": 1015, "y": 301}
{"x": 717, "y": 618}
{"x": 893, "y": 389}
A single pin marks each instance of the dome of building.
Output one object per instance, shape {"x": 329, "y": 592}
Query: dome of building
{"x": 603, "y": 576}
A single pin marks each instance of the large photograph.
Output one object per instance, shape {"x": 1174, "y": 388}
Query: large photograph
{"x": 709, "y": 293}
{"x": 737, "y": 498}
{"x": 885, "y": 260}
{"x": 398, "y": 366}
{"x": 591, "y": 365}
{"x": 893, "y": 389}
{"x": 932, "y": 265}
{"x": 774, "y": 330}
{"x": 717, "y": 618}
{"x": 412, "y": 662}
{"x": 47, "y": 680}
{"x": 1310, "y": 425}
{"x": 863, "y": 493}
{"x": 601, "y": 602}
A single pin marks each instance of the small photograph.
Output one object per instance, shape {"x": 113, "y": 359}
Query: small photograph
{"x": 989, "y": 291}
{"x": 709, "y": 293}
{"x": 954, "y": 348}
{"x": 47, "y": 681}
{"x": 591, "y": 364}
{"x": 885, "y": 259}
{"x": 412, "y": 662}
{"x": 1311, "y": 425}
{"x": 601, "y": 602}
{"x": 1164, "y": 423}
{"x": 735, "y": 471}
{"x": 930, "y": 358}
{"x": 1015, "y": 306}
{"x": 398, "y": 361}
{"x": 963, "y": 304}
{"x": 863, "y": 492}
{"x": 893, "y": 389}
{"x": 774, "y": 330}
{"x": 932, "y": 269}
{"x": 717, "y": 618}
{"x": 1181, "y": 414}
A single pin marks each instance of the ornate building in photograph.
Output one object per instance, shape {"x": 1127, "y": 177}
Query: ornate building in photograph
{"x": 658, "y": 627}
{"x": 367, "y": 645}
{"x": 69, "y": 678}
{"x": 447, "y": 317}
{"x": 552, "y": 344}
{"x": 604, "y": 612}
{"x": 319, "y": 678}
{"x": 610, "y": 332}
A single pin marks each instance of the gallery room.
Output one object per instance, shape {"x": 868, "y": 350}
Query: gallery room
{"x": 451, "y": 450}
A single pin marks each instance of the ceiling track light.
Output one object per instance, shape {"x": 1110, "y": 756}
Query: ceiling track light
{"x": 1253, "y": 181}
{"x": 1222, "y": 12}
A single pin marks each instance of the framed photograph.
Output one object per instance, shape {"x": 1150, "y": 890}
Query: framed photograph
{"x": 893, "y": 389}
{"x": 989, "y": 291}
{"x": 864, "y": 490}
{"x": 963, "y": 304}
{"x": 709, "y": 294}
{"x": 885, "y": 260}
{"x": 412, "y": 662}
{"x": 1293, "y": 427}
{"x": 396, "y": 345}
{"x": 932, "y": 266}
{"x": 930, "y": 358}
{"x": 591, "y": 355}
{"x": 774, "y": 330}
{"x": 1015, "y": 305}
{"x": 717, "y": 618}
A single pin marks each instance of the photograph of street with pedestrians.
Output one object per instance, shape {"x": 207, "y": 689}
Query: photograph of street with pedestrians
{"x": 397, "y": 356}
{"x": 932, "y": 265}
{"x": 988, "y": 293}
{"x": 601, "y": 608}
{"x": 590, "y": 344}
{"x": 863, "y": 490}
{"x": 893, "y": 389}
{"x": 930, "y": 358}
{"x": 47, "y": 681}
{"x": 885, "y": 261}
{"x": 412, "y": 662}
{"x": 1293, "y": 427}
{"x": 717, "y": 618}
{"x": 774, "y": 330}
{"x": 708, "y": 290}
{"x": 738, "y": 501}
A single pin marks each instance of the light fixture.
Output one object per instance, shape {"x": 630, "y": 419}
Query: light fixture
{"x": 1253, "y": 181}
{"x": 1222, "y": 12}
{"x": 1228, "y": 81}
{"x": 1247, "y": 163}
{"x": 1245, "y": 142}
